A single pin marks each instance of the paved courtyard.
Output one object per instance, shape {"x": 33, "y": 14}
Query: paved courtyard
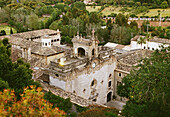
{"x": 114, "y": 103}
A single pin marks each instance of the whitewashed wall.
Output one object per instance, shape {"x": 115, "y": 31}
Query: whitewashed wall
{"x": 151, "y": 45}
{"x": 58, "y": 83}
{"x": 84, "y": 82}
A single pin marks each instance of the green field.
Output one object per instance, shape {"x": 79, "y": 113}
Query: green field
{"x": 7, "y": 29}
{"x": 154, "y": 12}
{"x": 92, "y": 9}
{"x": 111, "y": 9}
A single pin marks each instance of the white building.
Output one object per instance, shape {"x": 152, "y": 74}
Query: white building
{"x": 153, "y": 44}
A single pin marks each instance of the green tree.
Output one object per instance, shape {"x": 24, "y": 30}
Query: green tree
{"x": 3, "y": 85}
{"x": 65, "y": 20}
{"x": 164, "y": 5}
{"x": 17, "y": 74}
{"x": 103, "y": 35}
{"x": 66, "y": 39}
{"x": 94, "y": 18}
{"x": 5, "y": 60}
{"x": 134, "y": 25}
{"x": 141, "y": 41}
{"x": 79, "y": 5}
{"x": 120, "y": 34}
{"x": 121, "y": 19}
{"x": 32, "y": 21}
{"x": 61, "y": 103}
{"x": 147, "y": 88}
{"x": 48, "y": 23}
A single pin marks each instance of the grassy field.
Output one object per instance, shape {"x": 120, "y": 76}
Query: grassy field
{"x": 7, "y": 29}
{"x": 111, "y": 9}
{"x": 154, "y": 12}
{"x": 91, "y": 9}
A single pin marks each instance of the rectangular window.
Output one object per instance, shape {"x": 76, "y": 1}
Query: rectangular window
{"x": 120, "y": 75}
{"x": 110, "y": 84}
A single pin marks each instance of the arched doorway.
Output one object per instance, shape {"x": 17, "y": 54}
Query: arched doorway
{"x": 93, "y": 52}
{"x": 109, "y": 96}
{"x": 81, "y": 52}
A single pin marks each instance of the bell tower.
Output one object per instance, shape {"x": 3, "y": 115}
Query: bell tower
{"x": 85, "y": 47}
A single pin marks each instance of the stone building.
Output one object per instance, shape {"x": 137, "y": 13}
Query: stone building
{"x": 88, "y": 72}
{"x": 125, "y": 63}
{"x": 153, "y": 44}
{"x": 36, "y": 47}
{"x": 85, "y": 71}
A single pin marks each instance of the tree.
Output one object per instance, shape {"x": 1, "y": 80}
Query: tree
{"x": 66, "y": 39}
{"x": 31, "y": 104}
{"x": 138, "y": 4}
{"x": 148, "y": 37}
{"x": 144, "y": 25}
{"x": 94, "y": 18}
{"x": 5, "y": 60}
{"x": 120, "y": 34}
{"x": 3, "y": 85}
{"x": 121, "y": 19}
{"x": 48, "y": 23}
{"x": 32, "y": 21}
{"x": 79, "y": 5}
{"x": 141, "y": 41}
{"x": 134, "y": 25}
{"x": 61, "y": 103}
{"x": 103, "y": 35}
{"x": 65, "y": 20}
{"x": 164, "y": 5}
{"x": 146, "y": 86}
{"x": 17, "y": 74}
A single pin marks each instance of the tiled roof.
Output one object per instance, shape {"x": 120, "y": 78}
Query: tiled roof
{"x": 125, "y": 61}
{"x": 35, "y": 33}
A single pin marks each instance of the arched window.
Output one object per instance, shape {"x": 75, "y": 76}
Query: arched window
{"x": 81, "y": 52}
{"x": 109, "y": 83}
{"x": 93, "y": 52}
{"x": 94, "y": 83}
{"x": 109, "y": 96}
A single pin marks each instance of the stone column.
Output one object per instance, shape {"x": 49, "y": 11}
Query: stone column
{"x": 29, "y": 53}
{"x": 23, "y": 54}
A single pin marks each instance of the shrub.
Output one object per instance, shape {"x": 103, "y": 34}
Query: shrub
{"x": 161, "y": 35}
{"x": 61, "y": 103}
{"x": 154, "y": 6}
{"x": 145, "y": 4}
{"x": 98, "y": 111}
{"x": 140, "y": 9}
{"x": 164, "y": 5}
